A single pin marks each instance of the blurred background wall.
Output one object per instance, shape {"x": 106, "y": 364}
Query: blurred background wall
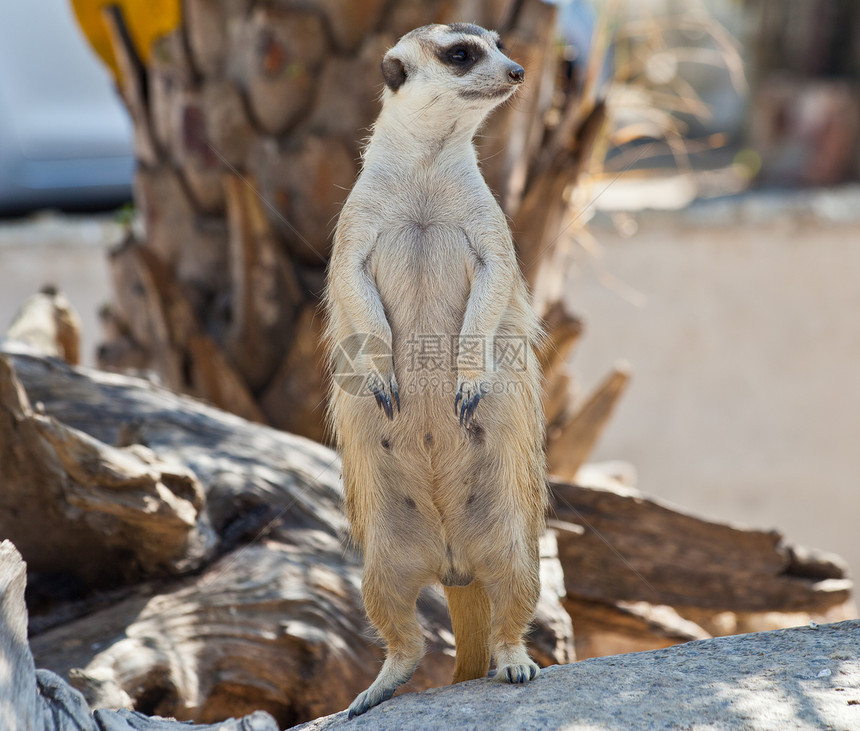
{"x": 741, "y": 322}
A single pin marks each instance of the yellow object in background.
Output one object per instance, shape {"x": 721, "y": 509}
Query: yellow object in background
{"x": 146, "y": 20}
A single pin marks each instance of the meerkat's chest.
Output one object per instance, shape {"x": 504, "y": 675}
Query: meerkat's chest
{"x": 422, "y": 273}
{"x": 421, "y": 247}
{"x": 425, "y": 228}
{"x": 435, "y": 202}
{"x": 422, "y": 251}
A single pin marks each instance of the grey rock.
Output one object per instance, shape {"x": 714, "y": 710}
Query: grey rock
{"x": 765, "y": 681}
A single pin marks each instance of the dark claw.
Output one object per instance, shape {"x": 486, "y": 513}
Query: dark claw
{"x": 467, "y": 411}
{"x": 383, "y": 401}
{"x": 532, "y": 672}
{"x": 351, "y": 714}
{"x": 510, "y": 675}
{"x": 474, "y": 406}
{"x": 466, "y": 406}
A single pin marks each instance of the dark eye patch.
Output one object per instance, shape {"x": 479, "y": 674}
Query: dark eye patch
{"x": 460, "y": 57}
{"x": 501, "y": 46}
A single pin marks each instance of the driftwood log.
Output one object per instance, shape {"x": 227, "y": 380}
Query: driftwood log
{"x": 690, "y": 562}
{"x": 249, "y": 598}
{"x": 187, "y": 562}
{"x": 641, "y": 575}
{"x": 39, "y": 700}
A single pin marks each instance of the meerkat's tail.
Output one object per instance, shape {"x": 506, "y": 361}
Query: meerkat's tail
{"x": 470, "y": 611}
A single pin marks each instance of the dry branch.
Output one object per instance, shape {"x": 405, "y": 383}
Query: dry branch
{"x": 47, "y": 322}
{"x": 628, "y": 547}
{"x": 571, "y": 443}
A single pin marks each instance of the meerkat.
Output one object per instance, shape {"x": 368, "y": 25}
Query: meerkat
{"x": 435, "y": 399}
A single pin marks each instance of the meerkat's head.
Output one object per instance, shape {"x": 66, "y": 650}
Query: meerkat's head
{"x": 461, "y": 64}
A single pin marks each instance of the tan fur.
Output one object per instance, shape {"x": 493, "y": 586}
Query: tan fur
{"x": 471, "y": 616}
{"x": 423, "y": 257}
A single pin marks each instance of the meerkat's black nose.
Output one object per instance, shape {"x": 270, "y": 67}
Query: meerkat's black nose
{"x": 517, "y": 74}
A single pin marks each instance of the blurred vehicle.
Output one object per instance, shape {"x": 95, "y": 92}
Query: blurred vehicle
{"x": 65, "y": 136}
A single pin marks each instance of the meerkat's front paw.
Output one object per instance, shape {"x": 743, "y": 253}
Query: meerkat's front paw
{"x": 469, "y": 392}
{"x": 385, "y": 390}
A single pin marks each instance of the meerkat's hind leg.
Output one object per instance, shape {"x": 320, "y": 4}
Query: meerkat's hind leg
{"x": 390, "y": 606}
{"x": 514, "y": 597}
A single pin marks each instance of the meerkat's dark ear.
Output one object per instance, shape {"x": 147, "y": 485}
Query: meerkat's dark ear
{"x": 393, "y": 71}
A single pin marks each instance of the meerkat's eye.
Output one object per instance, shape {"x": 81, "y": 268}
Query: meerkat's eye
{"x": 458, "y": 54}
{"x": 461, "y": 57}
{"x": 501, "y": 46}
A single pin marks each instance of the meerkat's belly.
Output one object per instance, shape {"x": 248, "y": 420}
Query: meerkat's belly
{"x": 422, "y": 276}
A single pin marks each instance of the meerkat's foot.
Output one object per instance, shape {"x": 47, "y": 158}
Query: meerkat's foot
{"x": 515, "y": 666}
{"x": 386, "y": 393}
{"x": 522, "y": 673}
{"x": 390, "y": 678}
{"x": 469, "y": 394}
{"x": 369, "y": 698}
{"x": 396, "y": 670}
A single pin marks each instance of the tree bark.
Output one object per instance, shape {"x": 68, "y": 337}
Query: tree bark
{"x": 249, "y": 124}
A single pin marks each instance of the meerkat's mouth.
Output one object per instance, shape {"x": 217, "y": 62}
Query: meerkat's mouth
{"x": 492, "y": 93}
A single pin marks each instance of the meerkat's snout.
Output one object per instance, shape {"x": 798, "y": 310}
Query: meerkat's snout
{"x": 517, "y": 74}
